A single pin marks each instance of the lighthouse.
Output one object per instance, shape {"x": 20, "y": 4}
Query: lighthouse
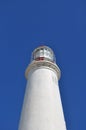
{"x": 42, "y": 107}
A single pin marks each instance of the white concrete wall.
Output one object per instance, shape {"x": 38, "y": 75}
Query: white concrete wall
{"x": 42, "y": 109}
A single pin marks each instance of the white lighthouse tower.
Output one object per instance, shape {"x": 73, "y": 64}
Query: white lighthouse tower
{"x": 42, "y": 107}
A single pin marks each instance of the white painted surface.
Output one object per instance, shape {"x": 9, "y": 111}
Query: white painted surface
{"x": 42, "y": 108}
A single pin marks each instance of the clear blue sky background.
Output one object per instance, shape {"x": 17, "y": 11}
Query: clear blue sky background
{"x": 27, "y": 24}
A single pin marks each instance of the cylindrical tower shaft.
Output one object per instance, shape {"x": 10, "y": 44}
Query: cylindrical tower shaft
{"x": 42, "y": 108}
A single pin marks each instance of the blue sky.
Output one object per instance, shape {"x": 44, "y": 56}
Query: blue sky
{"x": 27, "y": 24}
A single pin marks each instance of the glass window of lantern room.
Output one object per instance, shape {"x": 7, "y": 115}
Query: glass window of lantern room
{"x": 41, "y": 53}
